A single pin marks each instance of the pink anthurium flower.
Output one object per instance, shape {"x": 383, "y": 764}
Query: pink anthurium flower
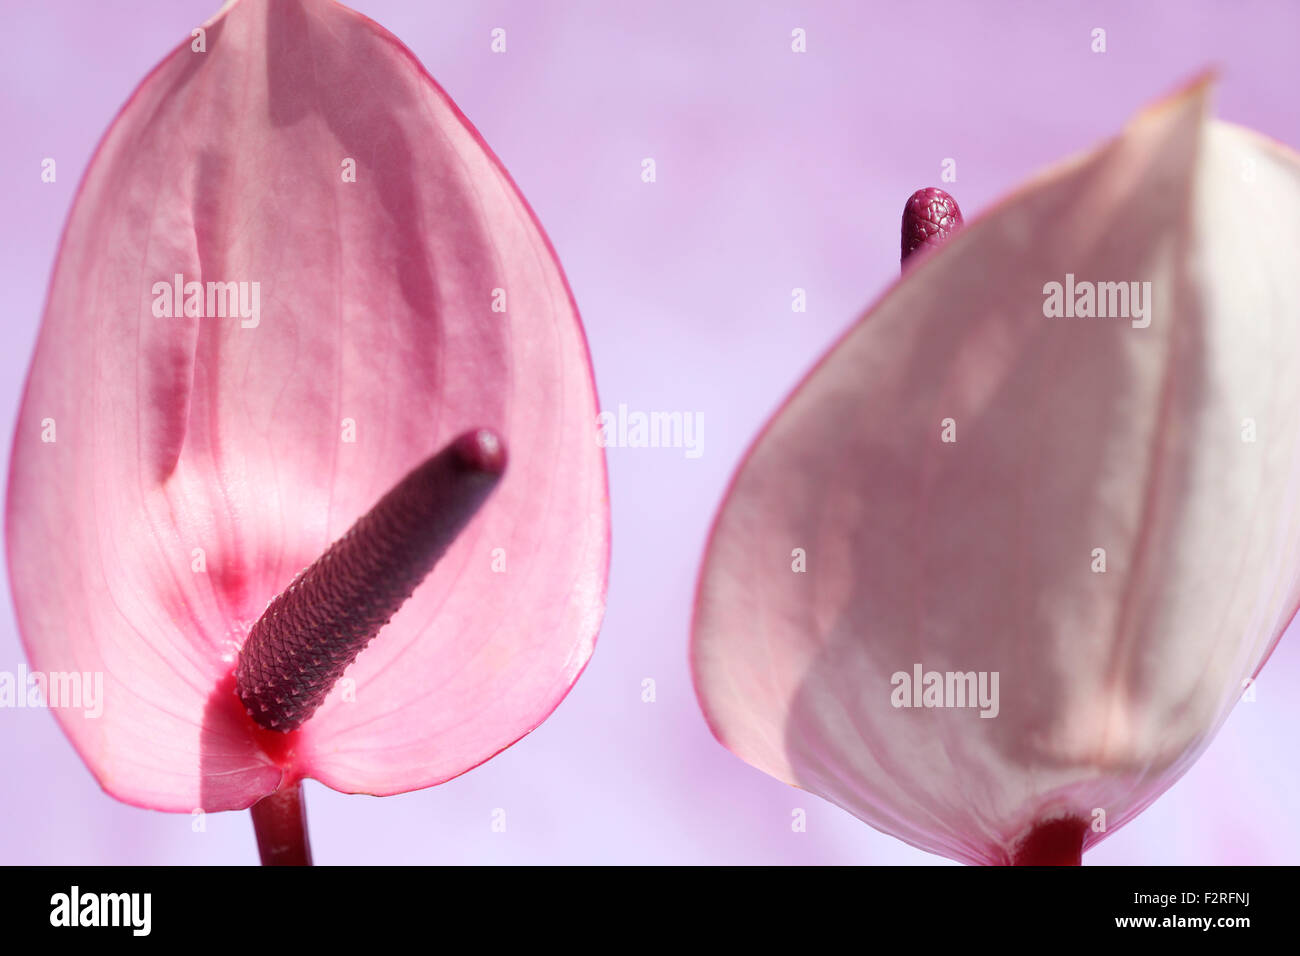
{"x": 298, "y": 295}
{"x": 996, "y": 572}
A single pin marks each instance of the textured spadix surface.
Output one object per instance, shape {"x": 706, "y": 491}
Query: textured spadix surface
{"x": 1174, "y": 447}
{"x": 200, "y": 463}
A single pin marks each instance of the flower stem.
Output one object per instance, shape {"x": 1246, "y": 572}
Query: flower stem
{"x": 280, "y": 822}
{"x": 1053, "y": 843}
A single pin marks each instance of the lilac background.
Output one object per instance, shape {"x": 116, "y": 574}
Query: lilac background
{"x": 775, "y": 170}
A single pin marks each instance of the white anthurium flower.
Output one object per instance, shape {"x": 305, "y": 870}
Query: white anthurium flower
{"x": 998, "y": 569}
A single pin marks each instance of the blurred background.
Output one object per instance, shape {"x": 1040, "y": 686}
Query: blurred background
{"x": 774, "y": 170}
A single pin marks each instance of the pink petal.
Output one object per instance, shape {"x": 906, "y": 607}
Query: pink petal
{"x": 175, "y": 434}
{"x": 1071, "y": 435}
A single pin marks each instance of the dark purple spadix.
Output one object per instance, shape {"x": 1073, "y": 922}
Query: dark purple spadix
{"x": 930, "y": 218}
{"x": 312, "y": 631}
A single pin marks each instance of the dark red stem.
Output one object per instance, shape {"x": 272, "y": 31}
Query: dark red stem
{"x": 1053, "y": 843}
{"x": 280, "y": 822}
